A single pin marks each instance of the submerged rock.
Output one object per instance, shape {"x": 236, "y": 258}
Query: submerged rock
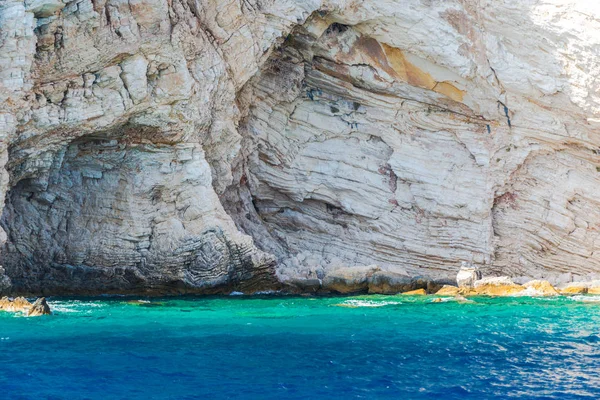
{"x": 40, "y": 307}
{"x": 448, "y": 290}
{"x": 540, "y": 288}
{"x": 144, "y": 303}
{"x": 463, "y": 299}
{"x": 350, "y": 279}
{"x": 389, "y": 282}
{"x": 496, "y": 286}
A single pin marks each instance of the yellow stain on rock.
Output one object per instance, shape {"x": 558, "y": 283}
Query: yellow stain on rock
{"x": 449, "y": 90}
{"x": 407, "y": 71}
{"x": 448, "y": 290}
{"x": 418, "y": 292}
{"x": 413, "y": 75}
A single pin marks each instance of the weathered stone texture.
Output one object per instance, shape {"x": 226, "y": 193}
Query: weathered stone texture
{"x": 209, "y": 146}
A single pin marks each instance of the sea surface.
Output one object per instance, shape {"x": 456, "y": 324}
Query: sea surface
{"x": 364, "y": 347}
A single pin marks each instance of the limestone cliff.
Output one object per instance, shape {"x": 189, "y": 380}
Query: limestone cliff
{"x": 175, "y": 146}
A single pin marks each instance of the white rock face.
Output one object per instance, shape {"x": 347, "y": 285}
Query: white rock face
{"x": 467, "y": 276}
{"x": 212, "y": 146}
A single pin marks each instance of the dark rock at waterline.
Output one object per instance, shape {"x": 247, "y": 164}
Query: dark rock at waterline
{"x": 388, "y": 282}
{"x": 303, "y": 285}
{"x": 349, "y": 279}
{"x": 363, "y": 279}
{"x": 434, "y": 285}
{"x": 5, "y": 282}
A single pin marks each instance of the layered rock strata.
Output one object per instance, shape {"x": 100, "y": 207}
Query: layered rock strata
{"x": 205, "y": 147}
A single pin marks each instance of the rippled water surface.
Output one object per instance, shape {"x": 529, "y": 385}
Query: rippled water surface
{"x": 375, "y": 347}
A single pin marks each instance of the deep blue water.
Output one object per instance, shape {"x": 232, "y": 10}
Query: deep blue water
{"x": 382, "y": 347}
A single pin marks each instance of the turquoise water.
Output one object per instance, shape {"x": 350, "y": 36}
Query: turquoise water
{"x": 381, "y": 347}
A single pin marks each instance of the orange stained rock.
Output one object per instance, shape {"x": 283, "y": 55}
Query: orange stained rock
{"x": 406, "y": 71}
{"x": 418, "y": 292}
{"x": 448, "y": 290}
{"x": 410, "y": 73}
{"x": 542, "y": 288}
{"x": 497, "y": 290}
{"x": 575, "y": 289}
{"x": 450, "y": 90}
{"x": 594, "y": 290}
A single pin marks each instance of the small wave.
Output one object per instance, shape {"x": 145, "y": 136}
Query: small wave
{"x": 236, "y": 294}
{"x": 458, "y": 299}
{"x": 366, "y": 303}
{"x": 529, "y": 292}
{"x": 442, "y": 299}
{"x": 266, "y": 292}
{"x": 74, "y": 306}
{"x": 585, "y": 299}
{"x": 62, "y": 309}
{"x": 79, "y": 303}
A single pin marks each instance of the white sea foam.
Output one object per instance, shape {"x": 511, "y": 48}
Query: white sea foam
{"x": 79, "y": 303}
{"x": 529, "y": 292}
{"x": 62, "y": 309}
{"x": 367, "y": 303}
{"x": 452, "y": 299}
{"x": 74, "y": 306}
{"x": 443, "y": 299}
{"x": 236, "y": 294}
{"x": 585, "y": 299}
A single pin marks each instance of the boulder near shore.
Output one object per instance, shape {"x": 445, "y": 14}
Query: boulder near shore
{"x": 22, "y": 305}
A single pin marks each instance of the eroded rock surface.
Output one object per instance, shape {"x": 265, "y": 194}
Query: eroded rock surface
{"x": 448, "y": 290}
{"x": 119, "y": 124}
{"x": 386, "y": 282}
{"x": 39, "y": 307}
{"x": 496, "y": 286}
{"x": 467, "y": 276}
{"x": 540, "y": 288}
{"x": 176, "y": 147}
{"x": 350, "y": 279}
{"x": 575, "y": 288}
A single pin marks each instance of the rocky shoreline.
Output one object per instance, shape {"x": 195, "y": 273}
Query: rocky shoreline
{"x": 353, "y": 280}
{"x": 469, "y": 282}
